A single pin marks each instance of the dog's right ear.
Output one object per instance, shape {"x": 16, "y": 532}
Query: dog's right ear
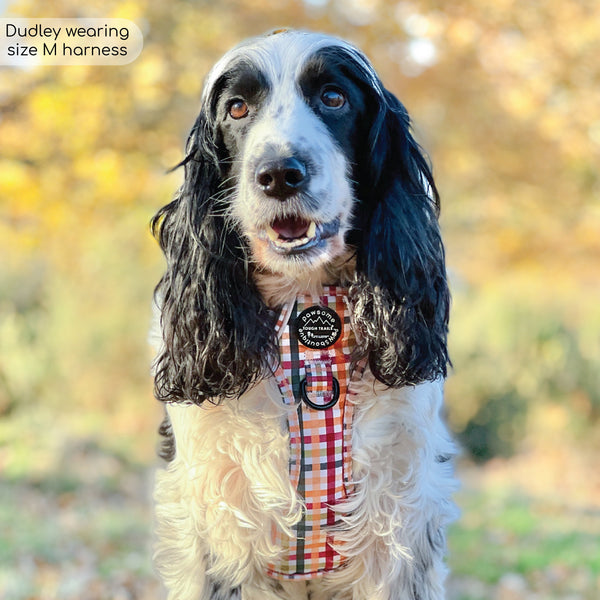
{"x": 216, "y": 331}
{"x": 401, "y": 297}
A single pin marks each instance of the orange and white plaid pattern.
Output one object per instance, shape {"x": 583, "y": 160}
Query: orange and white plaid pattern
{"x": 320, "y": 440}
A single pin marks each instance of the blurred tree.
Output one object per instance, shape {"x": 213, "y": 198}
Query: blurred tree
{"x": 505, "y": 97}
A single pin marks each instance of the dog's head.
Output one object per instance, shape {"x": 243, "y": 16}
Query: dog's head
{"x": 300, "y": 161}
{"x": 288, "y": 113}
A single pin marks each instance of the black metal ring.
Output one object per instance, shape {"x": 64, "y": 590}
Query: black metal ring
{"x": 334, "y": 399}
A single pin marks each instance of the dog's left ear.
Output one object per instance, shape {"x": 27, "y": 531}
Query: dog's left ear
{"x": 401, "y": 297}
{"x": 217, "y": 334}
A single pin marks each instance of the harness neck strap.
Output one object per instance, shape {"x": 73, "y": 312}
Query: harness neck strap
{"x": 314, "y": 376}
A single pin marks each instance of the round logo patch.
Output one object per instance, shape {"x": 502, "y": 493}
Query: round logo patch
{"x": 318, "y": 327}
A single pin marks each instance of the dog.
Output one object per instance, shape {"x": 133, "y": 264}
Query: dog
{"x": 301, "y": 329}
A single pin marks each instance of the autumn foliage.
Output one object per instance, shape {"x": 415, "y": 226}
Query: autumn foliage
{"x": 505, "y": 97}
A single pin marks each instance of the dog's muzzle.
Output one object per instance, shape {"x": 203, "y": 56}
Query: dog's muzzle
{"x": 287, "y": 179}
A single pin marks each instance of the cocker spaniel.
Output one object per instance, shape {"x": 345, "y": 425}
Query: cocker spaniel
{"x": 301, "y": 332}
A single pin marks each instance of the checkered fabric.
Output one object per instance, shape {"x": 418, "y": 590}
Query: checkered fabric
{"x": 320, "y": 440}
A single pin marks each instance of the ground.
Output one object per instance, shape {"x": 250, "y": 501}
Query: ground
{"x": 87, "y": 535}
{"x": 76, "y": 516}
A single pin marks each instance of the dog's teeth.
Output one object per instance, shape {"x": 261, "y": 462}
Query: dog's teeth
{"x": 272, "y": 234}
{"x": 276, "y": 239}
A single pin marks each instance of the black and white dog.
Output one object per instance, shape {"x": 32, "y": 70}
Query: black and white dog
{"x": 301, "y": 339}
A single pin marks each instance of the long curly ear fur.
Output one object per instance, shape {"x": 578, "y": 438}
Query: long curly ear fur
{"x": 218, "y": 334}
{"x": 400, "y": 296}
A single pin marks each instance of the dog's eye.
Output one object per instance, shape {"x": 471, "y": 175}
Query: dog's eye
{"x": 333, "y": 98}
{"x": 238, "y": 109}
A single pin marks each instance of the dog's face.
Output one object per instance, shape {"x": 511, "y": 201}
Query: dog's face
{"x": 289, "y": 111}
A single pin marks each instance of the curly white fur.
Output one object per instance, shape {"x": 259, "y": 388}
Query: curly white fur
{"x": 228, "y": 486}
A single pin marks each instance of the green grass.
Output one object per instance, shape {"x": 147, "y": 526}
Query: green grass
{"x": 63, "y": 542}
{"x": 76, "y": 521}
{"x": 553, "y": 547}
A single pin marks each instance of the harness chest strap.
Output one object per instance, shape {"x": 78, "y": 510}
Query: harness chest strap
{"x": 314, "y": 375}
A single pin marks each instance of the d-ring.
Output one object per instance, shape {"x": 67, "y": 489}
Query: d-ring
{"x": 335, "y": 397}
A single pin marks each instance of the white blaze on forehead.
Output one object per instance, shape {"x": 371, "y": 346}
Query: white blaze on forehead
{"x": 273, "y": 55}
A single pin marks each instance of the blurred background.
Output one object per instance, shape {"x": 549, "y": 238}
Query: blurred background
{"x": 505, "y": 96}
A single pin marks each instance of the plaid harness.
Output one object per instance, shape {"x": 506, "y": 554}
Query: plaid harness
{"x": 315, "y": 375}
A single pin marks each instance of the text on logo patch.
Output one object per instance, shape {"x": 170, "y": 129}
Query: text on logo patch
{"x": 318, "y": 327}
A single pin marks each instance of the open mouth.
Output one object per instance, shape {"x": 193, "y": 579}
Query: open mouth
{"x": 293, "y": 235}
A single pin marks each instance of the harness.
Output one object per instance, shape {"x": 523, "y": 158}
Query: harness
{"x": 315, "y": 375}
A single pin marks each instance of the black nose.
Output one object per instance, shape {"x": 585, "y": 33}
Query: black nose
{"x": 281, "y": 178}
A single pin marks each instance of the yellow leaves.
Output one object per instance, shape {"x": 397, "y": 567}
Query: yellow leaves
{"x": 66, "y": 120}
{"x": 15, "y": 183}
{"x": 551, "y": 419}
{"x": 510, "y": 242}
{"x": 577, "y": 23}
{"x": 46, "y": 109}
{"x": 465, "y": 162}
{"x": 129, "y": 9}
{"x": 101, "y": 178}
{"x": 551, "y": 125}
{"x": 149, "y": 79}
{"x": 587, "y": 231}
{"x": 522, "y": 103}
{"x": 462, "y": 32}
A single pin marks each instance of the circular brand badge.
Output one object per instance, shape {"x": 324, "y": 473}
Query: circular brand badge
{"x": 318, "y": 327}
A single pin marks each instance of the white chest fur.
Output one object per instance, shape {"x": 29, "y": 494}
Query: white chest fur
{"x": 228, "y": 488}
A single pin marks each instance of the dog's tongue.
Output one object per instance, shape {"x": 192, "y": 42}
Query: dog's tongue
{"x": 291, "y": 228}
